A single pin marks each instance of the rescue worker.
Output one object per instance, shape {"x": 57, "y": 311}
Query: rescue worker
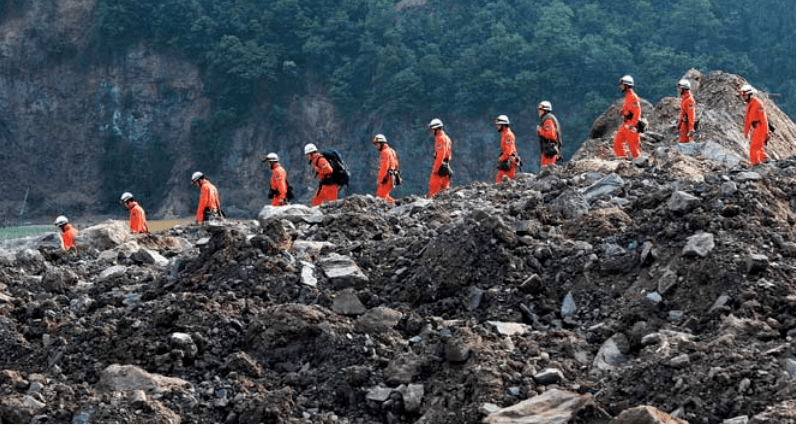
{"x": 508, "y": 161}
{"x": 138, "y": 220}
{"x": 327, "y": 189}
{"x": 68, "y": 233}
{"x": 755, "y": 118}
{"x": 279, "y": 181}
{"x": 441, "y": 169}
{"x": 631, "y": 112}
{"x": 209, "y": 203}
{"x": 388, "y": 168}
{"x": 686, "y": 120}
{"x": 550, "y": 134}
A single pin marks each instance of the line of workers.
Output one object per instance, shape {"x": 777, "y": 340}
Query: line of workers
{"x": 389, "y": 174}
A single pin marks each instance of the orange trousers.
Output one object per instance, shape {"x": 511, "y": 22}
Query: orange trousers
{"x": 277, "y": 201}
{"x": 510, "y": 173}
{"x": 326, "y": 192}
{"x": 757, "y": 143}
{"x": 683, "y": 137}
{"x": 438, "y": 183}
{"x": 546, "y": 161}
{"x": 626, "y": 136}
{"x": 383, "y": 190}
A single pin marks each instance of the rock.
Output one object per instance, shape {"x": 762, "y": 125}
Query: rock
{"x": 675, "y": 316}
{"x": 721, "y": 301}
{"x": 184, "y": 342}
{"x": 608, "y": 185}
{"x": 747, "y": 176}
{"x": 457, "y": 350}
{"x": 294, "y": 213}
{"x": 509, "y": 328}
{"x": 728, "y": 189}
{"x": 568, "y": 305}
{"x": 131, "y": 378}
{"x": 679, "y": 361}
{"x": 757, "y": 263}
{"x": 103, "y": 236}
{"x": 308, "y": 271}
{"x": 682, "y": 202}
{"x": 378, "y": 320}
{"x": 667, "y": 280}
{"x": 346, "y": 302}
{"x": 737, "y": 420}
{"x": 641, "y": 162}
{"x": 649, "y": 339}
{"x": 645, "y": 415}
{"x": 81, "y": 304}
{"x": 147, "y": 256}
{"x": 790, "y": 367}
{"x": 488, "y": 408}
{"x": 549, "y": 376}
{"x": 653, "y": 297}
{"x": 699, "y": 244}
{"x": 611, "y": 353}
{"x": 342, "y": 271}
{"x": 30, "y": 259}
{"x": 412, "y": 395}
{"x": 112, "y": 273}
{"x": 378, "y": 394}
{"x": 401, "y": 370}
{"x": 570, "y": 204}
{"x": 717, "y": 153}
{"x": 310, "y": 248}
{"x": 689, "y": 149}
{"x": 552, "y": 406}
{"x": 474, "y": 298}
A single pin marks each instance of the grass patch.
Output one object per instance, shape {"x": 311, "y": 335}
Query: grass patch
{"x": 24, "y": 231}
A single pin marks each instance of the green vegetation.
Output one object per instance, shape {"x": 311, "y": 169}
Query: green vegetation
{"x": 24, "y": 231}
{"x": 467, "y": 58}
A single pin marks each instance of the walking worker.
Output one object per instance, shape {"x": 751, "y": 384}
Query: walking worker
{"x": 68, "y": 233}
{"x": 138, "y": 220}
{"x": 388, "y": 168}
{"x": 327, "y": 188}
{"x": 508, "y": 161}
{"x": 209, "y": 203}
{"x": 631, "y": 112}
{"x": 441, "y": 169}
{"x": 686, "y": 120}
{"x": 550, "y": 135}
{"x": 278, "y": 191}
{"x": 755, "y": 118}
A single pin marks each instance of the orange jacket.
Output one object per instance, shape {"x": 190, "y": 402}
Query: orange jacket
{"x": 442, "y": 149}
{"x": 687, "y": 111}
{"x": 209, "y": 198}
{"x": 322, "y": 167}
{"x": 279, "y": 181}
{"x": 632, "y": 107}
{"x": 388, "y": 160}
{"x": 68, "y": 236}
{"x": 507, "y": 144}
{"x": 548, "y": 129}
{"x": 755, "y": 116}
{"x": 138, "y": 220}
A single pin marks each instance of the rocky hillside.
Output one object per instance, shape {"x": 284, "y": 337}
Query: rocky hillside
{"x": 603, "y": 290}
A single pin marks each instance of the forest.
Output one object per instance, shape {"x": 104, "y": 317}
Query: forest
{"x": 416, "y": 58}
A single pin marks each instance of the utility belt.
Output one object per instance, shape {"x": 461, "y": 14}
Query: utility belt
{"x": 213, "y": 213}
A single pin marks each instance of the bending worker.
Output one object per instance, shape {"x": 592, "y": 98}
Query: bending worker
{"x": 68, "y": 233}
{"x": 327, "y": 189}
{"x": 209, "y": 204}
{"x": 441, "y": 170}
{"x": 686, "y": 120}
{"x": 631, "y": 112}
{"x": 508, "y": 161}
{"x": 388, "y": 168}
{"x": 550, "y": 135}
{"x": 138, "y": 220}
{"x": 755, "y": 117}
{"x": 279, "y": 181}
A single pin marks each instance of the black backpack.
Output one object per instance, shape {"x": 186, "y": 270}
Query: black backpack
{"x": 340, "y": 171}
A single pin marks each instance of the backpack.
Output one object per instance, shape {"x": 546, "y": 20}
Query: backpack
{"x": 641, "y": 125}
{"x": 340, "y": 171}
{"x": 289, "y": 193}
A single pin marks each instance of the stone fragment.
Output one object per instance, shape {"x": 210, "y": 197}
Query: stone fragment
{"x": 401, "y": 370}
{"x": 378, "y": 320}
{"x": 112, "y": 272}
{"x": 307, "y": 275}
{"x": 130, "y": 378}
{"x": 457, "y": 350}
{"x": 679, "y": 361}
{"x": 568, "y": 305}
{"x": 342, "y": 271}
{"x": 378, "y": 394}
{"x": 747, "y": 176}
{"x": 412, "y": 396}
{"x": 611, "y": 353}
{"x": 699, "y": 244}
{"x": 552, "y": 406}
{"x": 103, "y": 236}
{"x": 645, "y": 415}
{"x": 346, "y": 302}
{"x": 148, "y": 256}
{"x": 667, "y": 280}
{"x": 757, "y": 263}
{"x": 682, "y": 202}
{"x": 549, "y": 376}
{"x": 509, "y": 328}
{"x": 608, "y": 185}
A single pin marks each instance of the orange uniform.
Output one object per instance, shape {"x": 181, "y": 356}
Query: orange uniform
{"x": 327, "y": 191}
{"x": 755, "y": 117}
{"x": 279, "y": 184}
{"x": 627, "y": 133}
{"x": 138, "y": 220}
{"x": 548, "y": 130}
{"x": 442, "y": 151}
{"x": 686, "y": 121}
{"x": 508, "y": 151}
{"x": 388, "y": 161}
{"x": 68, "y": 237}
{"x": 208, "y": 199}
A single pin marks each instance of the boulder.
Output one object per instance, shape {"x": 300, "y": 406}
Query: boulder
{"x": 148, "y": 256}
{"x": 551, "y": 407}
{"x": 717, "y": 153}
{"x": 608, "y": 185}
{"x": 103, "y": 236}
{"x": 346, "y": 302}
{"x": 294, "y": 213}
{"x": 124, "y": 378}
{"x": 378, "y": 320}
{"x": 342, "y": 271}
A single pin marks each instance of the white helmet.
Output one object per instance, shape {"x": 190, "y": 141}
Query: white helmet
{"x": 502, "y": 119}
{"x": 545, "y": 106}
{"x": 60, "y": 221}
{"x": 310, "y": 148}
{"x": 747, "y": 89}
{"x": 627, "y": 80}
{"x": 272, "y": 157}
{"x": 196, "y": 176}
{"x": 126, "y": 197}
{"x": 435, "y": 124}
{"x": 380, "y": 138}
{"x": 684, "y": 84}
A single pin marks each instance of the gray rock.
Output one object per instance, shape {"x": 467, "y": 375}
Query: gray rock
{"x": 147, "y": 256}
{"x": 689, "y": 149}
{"x": 699, "y": 244}
{"x": 728, "y": 189}
{"x": 488, "y": 408}
{"x": 650, "y": 339}
{"x": 744, "y": 419}
{"x": 610, "y": 355}
{"x": 308, "y": 277}
{"x": 112, "y": 272}
{"x": 342, "y": 271}
{"x": 653, "y": 297}
{"x": 103, "y": 236}
{"x": 551, "y": 407}
{"x": 790, "y": 367}
{"x": 378, "y": 320}
{"x": 644, "y": 415}
{"x": 457, "y": 350}
{"x": 294, "y": 213}
{"x": 641, "y": 162}
{"x": 676, "y": 316}
{"x": 401, "y": 370}
{"x": 667, "y": 280}
{"x": 30, "y": 259}
{"x": 474, "y": 298}
{"x": 721, "y": 301}
{"x": 378, "y": 394}
{"x": 509, "y": 328}
{"x": 679, "y": 361}
{"x": 717, "y": 153}
{"x": 81, "y": 304}
{"x": 570, "y": 204}
{"x": 747, "y": 176}
{"x": 568, "y": 305}
{"x": 412, "y": 395}
{"x": 184, "y": 342}
{"x": 346, "y": 302}
{"x": 549, "y": 376}
{"x": 682, "y": 202}
{"x": 120, "y": 378}
{"x": 757, "y": 263}
{"x": 609, "y": 185}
